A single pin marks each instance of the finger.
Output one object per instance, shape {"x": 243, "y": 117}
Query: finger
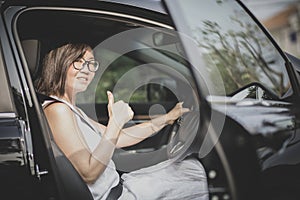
{"x": 180, "y": 103}
{"x": 185, "y": 110}
{"x": 171, "y": 121}
{"x": 131, "y": 113}
{"x": 110, "y": 97}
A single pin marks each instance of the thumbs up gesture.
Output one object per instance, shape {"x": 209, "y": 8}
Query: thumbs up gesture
{"x": 120, "y": 112}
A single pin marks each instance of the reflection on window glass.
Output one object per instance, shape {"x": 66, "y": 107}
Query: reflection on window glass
{"x": 111, "y": 76}
{"x": 134, "y": 71}
{"x": 234, "y": 45}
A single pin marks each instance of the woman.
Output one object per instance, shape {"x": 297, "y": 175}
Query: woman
{"x": 89, "y": 145}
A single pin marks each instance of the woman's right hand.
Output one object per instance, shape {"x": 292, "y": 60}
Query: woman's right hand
{"x": 120, "y": 112}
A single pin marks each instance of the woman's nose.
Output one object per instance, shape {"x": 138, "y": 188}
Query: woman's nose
{"x": 85, "y": 69}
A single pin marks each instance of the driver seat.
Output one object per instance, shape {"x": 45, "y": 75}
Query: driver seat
{"x": 71, "y": 184}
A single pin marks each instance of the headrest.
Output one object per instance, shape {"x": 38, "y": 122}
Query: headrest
{"x": 31, "y": 49}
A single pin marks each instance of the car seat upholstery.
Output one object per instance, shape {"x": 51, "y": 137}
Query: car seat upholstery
{"x": 32, "y": 52}
{"x": 73, "y": 186}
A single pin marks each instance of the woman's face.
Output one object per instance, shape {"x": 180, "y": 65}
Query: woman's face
{"x": 78, "y": 80}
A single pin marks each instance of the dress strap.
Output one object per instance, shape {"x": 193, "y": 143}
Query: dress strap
{"x": 48, "y": 102}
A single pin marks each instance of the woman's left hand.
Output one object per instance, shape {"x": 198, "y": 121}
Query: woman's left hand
{"x": 175, "y": 113}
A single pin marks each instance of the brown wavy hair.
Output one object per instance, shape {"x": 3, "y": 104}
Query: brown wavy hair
{"x": 55, "y": 66}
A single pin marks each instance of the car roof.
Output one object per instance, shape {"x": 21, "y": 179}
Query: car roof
{"x": 154, "y": 5}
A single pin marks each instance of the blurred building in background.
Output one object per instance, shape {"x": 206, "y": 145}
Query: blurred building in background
{"x": 282, "y": 19}
{"x": 285, "y": 28}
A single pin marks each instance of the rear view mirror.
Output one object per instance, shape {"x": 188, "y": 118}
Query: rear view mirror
{"x": 161, "y": 38}
{"x": 161, "y": 90}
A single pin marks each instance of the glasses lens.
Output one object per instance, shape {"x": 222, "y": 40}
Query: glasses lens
{"x": 78, "y": 65}
{"x": 93, "y": 65}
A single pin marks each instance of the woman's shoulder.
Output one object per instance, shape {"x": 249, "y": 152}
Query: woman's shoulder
{"x": 58, "y": 108}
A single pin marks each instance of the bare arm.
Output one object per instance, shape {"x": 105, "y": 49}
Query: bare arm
{"x": 90, "y": 165}
{"x": 137, "y": 133}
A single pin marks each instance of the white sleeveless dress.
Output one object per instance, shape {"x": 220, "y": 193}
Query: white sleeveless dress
{"x": 166, "y": 180}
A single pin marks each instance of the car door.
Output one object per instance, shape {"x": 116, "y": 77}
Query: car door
{"x": 15, "y": 165}
{"x": 224, "y": 34}
{"x": 33, "y": 165}
{"x": 23, "y": 159}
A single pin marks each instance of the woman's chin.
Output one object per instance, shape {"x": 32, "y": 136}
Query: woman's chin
{"x": 80, "y": 88}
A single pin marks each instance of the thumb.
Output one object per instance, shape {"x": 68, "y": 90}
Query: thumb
{"x": 110, "y": 98}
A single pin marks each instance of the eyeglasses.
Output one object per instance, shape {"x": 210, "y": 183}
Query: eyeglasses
{"x": 92, "y": 65}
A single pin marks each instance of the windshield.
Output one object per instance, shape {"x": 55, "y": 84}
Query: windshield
{"x": 235, "y": 53}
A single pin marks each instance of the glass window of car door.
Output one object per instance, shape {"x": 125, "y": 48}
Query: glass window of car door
{"x": 153, "y": 90}
{"x": 235, "y": 53}
{"x": 124, "y": 48}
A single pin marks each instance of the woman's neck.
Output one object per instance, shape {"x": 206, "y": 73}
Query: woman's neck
{"x": 68, "y": 98}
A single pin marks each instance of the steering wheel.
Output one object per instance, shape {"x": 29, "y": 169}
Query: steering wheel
{"x": 183, "y": 133}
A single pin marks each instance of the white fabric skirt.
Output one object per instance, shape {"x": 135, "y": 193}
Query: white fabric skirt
{"x": 167, "y": 180}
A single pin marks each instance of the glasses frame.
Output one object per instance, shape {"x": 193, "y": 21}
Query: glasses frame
{"x": 86, "y": 63}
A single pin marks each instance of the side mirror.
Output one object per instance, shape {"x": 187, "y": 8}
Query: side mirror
{"x": 253, "y": 91}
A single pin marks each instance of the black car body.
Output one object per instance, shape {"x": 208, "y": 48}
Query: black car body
{"x": 244, "y": 123}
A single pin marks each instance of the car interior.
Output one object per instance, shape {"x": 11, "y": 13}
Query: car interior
{"x": 39, "y": 31}
{"x": 35, "y": 44}
{"x": 143, "y": 61}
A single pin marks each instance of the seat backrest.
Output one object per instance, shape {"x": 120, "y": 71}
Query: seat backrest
{"x": 32, "y": 52}
{"x": 73, "y": 186}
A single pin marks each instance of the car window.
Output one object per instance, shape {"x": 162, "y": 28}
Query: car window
{"x": 236, "y": 54}
{"x": 128, "y": 66}
{"x": 132, "y": 65}
{"x": 6, "y": 105}
{"x": 12, "y": 101}
{"x": 151, "y": 78}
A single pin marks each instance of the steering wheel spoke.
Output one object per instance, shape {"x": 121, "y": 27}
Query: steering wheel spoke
{"x": 183, "y": 133}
